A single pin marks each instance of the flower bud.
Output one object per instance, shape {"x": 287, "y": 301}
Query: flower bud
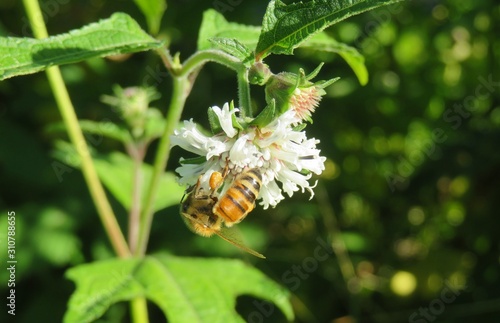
{"x": 132, "y": 104}
{"x": 295, "y": 92}
{"x": 259, "y": 74}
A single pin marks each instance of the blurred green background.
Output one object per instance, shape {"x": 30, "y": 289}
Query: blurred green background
{"x": 407, "y": 200}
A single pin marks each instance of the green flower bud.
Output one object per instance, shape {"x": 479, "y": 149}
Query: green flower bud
{"x": 259, "y": 73}
{"x": 132, "y": 104}
{"x": 296, "y": 92}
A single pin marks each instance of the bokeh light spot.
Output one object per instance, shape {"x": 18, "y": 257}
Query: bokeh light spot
{"x": 403, "y": 283}
{"x": 416, "y": 215}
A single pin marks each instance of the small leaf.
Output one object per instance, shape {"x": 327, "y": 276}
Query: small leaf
{"x": 325, "y": 43}
{"x": 213, "y": 121}
{"x": 119, "y": 34}
{"x": 193, "y": 161}
{"x": 153, "y": 11}
{"x": 214, "y": 25}
{"x": 285, "y": 27}
{"x": 234, "y": 120}
{"x": 185, "y": 289}
{"x": 232, "y": 47}
{"x": 266, "y": 115}
{"x": 96, "y": 130}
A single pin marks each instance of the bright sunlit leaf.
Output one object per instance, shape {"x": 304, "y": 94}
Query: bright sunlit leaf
{"x": 118, "y": 34}
{"x": 285, "y": 27}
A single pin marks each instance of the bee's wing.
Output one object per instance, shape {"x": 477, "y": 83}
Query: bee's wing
{"x": 231, "y": 235}
{"x": 206, "y": 229}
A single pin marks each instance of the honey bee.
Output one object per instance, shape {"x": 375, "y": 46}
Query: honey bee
{"x": 199, "y": 208}
{"x": 239, "y": 199}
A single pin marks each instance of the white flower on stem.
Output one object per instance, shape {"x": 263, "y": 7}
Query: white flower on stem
{"x": 285, "y": 157}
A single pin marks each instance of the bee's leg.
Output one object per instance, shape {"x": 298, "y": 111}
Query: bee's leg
{"x": 188, "y": 191}
{"x": 197, "y": 188}
{"x": 226, "y": 171}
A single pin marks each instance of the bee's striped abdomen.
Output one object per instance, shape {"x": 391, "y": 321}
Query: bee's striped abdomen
{"x": 239, "y": 199}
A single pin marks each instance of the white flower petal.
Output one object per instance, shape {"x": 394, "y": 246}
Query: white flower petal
{"x": 270, "y": 195}
{"x": 291, "y": 180}
{"x": 190, "y": 138}
{"x": 226, "y": 119}
{"x": 244, "y": 153}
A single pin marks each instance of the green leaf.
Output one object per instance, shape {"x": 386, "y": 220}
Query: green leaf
{"x": 325, "y": 43}
{"x": 185, "y": 289}
{"x": 97, "y": 130}
{"x": 267, "y": 115}
{"x": 232, "y": 47}
{"x": 115, "y": 170}
{"x": 153, "y": 11}
{"x": 285, "y": 27}
{"x": 193, "y": 161}
{"x": 234, "y": 120}
{"x": 119, "y": 34}
{"x": 214, "y": 25}
{"x": 213, "y": 121}
{"x": 155, "y": 124}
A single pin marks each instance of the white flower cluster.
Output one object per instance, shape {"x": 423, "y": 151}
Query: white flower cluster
{"x": 281, "y": 153}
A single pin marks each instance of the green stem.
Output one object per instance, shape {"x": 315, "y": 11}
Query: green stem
{"x": 202, "y": 57}
{"x": 139, "y": 310}
{"x": 244, "y": 94}
{"x": 211, "y": 55}
{"x": 68, "y": 114}
{"x": 181, "y": 87}
{"x": 136, "y": 151}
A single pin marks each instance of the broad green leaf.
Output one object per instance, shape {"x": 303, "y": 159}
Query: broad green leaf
{"x": 285, "y": 27}
{"x": 325, "y": 43}
{"x": 116, "y": 172}
{"x": 153, "y": 11}
{"x": 214, "y": 25}
{"x": 185, "y": 289}
{"x": 118, "y": 34}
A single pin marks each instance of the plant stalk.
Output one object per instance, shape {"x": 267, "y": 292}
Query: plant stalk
{"x": 212, "y": 55}
{"x": 181, "y": 87}
{"x": 68, "y": 114}
{"x": 245, "y": 100}
{"x": 136, "y": 151}
{"x": 139, "y": 310}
